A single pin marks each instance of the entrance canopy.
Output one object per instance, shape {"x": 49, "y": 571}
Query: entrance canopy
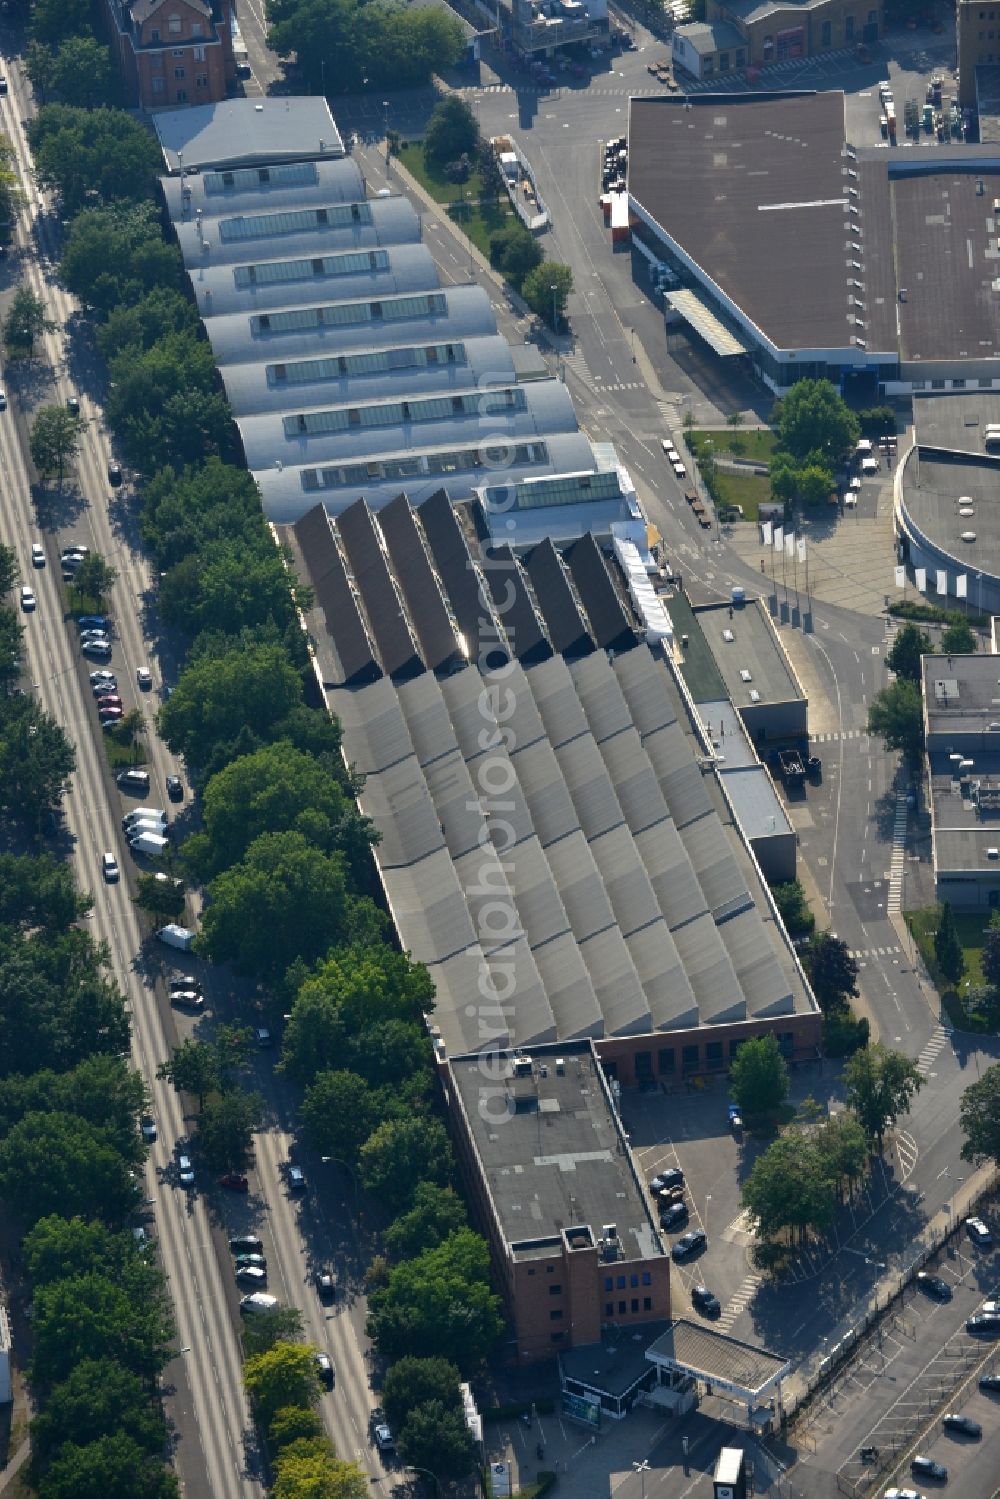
{"x": 724, "y": 1364}
{"x": 698, "y": 315}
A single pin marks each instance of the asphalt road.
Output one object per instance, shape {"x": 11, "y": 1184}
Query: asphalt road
{"x": 215, "y": 1449}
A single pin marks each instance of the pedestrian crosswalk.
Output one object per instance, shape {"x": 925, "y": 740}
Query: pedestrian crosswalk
{"x": 862, "y": 954}
{"x": 897, "y": 867}
{"x": 785, "y": 71}
{"x": 837, "y": 738}
{"x": 577, "y": 363}
{"x": 601, "y": 389}
{"x": 738, "y": 1303}
{"x": 927, "y": 1057}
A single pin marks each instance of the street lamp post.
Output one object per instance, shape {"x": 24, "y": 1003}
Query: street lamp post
{"x": 415, "y": 1468}
{"x": 388, "y": 152}
{"x": 642, "y": 1469}
{"x": 555, "y": 315}
{"x": 326, "y": 1160}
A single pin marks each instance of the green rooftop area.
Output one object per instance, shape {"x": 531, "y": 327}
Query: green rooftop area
{"x": 698, "y": 668}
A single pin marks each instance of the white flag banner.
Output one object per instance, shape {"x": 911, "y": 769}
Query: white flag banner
{"x": 779, "y": 538}
{"x": 942, "y": 580}
{"x": 901, "y": 577}
{"x": 789, "y": 543}
{"x": 962, "y": 586}
{"x": 920, "y": 578}
{"x": 802, "y": 549}
{"x": 766, "y": 531}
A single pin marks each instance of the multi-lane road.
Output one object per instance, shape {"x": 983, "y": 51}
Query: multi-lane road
{"x": 215, "y": 1450}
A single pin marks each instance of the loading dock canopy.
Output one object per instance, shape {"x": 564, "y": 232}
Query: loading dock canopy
{"x": 714, "y": 1359}
{"x": 698, "y": 315}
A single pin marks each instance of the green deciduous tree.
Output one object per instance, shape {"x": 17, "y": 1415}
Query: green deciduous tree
{"x": 784, "y": 477}
{"x": 813, "y": 418}
{"x": 59, "y": 1162}
{"x": 183, "y": 512}
{"x": 787, "y": 1188}
{"x": 451, "y": 131}
{"x": 310, "y": 1471}
{"x": 55, "y": 437}
{"x": 903, "y": 656}
{"x": 100, "y": 1089}
{"x": 230, "y": 587}
{"x": 843, "y": 1150}
{"x": 880, "y": 1085}
{"x": 114, "y": 258}
{"x": 95, "y": 578}
{"x": 758, "y": 1078}
{"x": 193, "y": 1067}
{"x": 54, "y": 20}
{"x": 275, "y": 790}
{"x": 285, "y": 1375}
{"x": 958, "y": 639}
{"x": 36, "y": 760}
{"x": 56, "y": 1248}
{"x": 339, "y": 1112}
{"x": 439, "y": 1305}
{"x": 402, "y": 1152}
{"x": 166, "y": 406}
{"x": 91, "y": 1316}
{"x": 219, "y": 697}
{"x": 226, "y": 1126}
{"x": 361, "y": 1009}
{"x": 161, "y": 895}
{"x": 98, "y": 1399}
{"x": 814, "y": 483}
{"x": 790, "y": 900}
{"x": 414, "y": 1381}
{"x": 293, "y": 1423}
{"x": 278, "y": 1324}
{"x": 895, "y": 715}
{"x": 57, "y": 1004}
{"x": 25, "y": 322}
{"x": 832, "y": 971}
{"x": 80, "y": 73}
{"x": 436, "y": 1437}
{"x": 285, "y": 900}
{"x": 991, "y": 957}
{"x": 111, "y": 1467}
{"x": 515, "y": 252}
{"x": 947, "y": 947}
{"x": 37, "y": 891}
{"x": 979, "y": 1115}
{"x": 101, "y": 154}
{"x": 546, "y": 290}
{"x": 436, "y": 1213}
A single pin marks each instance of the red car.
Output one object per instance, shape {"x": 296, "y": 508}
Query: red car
{"x": 234, "y": 1182}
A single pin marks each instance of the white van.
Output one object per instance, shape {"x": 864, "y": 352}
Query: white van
{"x": 176, "y": 936}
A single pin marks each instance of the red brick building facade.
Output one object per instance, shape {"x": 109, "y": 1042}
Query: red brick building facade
{"x": 173, "y": 52}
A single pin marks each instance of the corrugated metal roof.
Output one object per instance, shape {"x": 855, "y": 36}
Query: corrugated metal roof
{"x": 563, "y": 619}
{"x": 217, "y": 289}
{"x": 455, "y": 568}
{"x": 265, "y": 230}
{"x": 609, "y": 623}
{"x": 379, "y": 372}
{"x": 335, "y": 597}
{"x": 248, "y": 191}
{"x": 238, "y": 337}
{"x": 697, "y": 313}
{"x": 521, "y": 621}
{"x": 418, "y": 582}
{"x": 388, "y": 621}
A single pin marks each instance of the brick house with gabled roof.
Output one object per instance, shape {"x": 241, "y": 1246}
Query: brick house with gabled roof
{"x": 173, "y": 52}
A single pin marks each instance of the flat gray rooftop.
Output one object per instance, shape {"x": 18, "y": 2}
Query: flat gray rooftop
{"x": 753, "y": 660}
{"x": 945, "y": 243}
{"x": 715, "y": 1358}
{"x": 956, "y": 423}
{"x": 698, "y": 667}
{"x": 932, "y": 492}
{"x": 756, "y": 192}
{"x": 962, "y": 693}
{"x": 615, "y": 1364}
{"x": 236, "y": 132}
{"x": 553, "y": 1152}
{"x": 755, "y": 801}
{"x": 964, "y": 833}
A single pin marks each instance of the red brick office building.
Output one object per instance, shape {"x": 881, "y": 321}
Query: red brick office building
{"x": 172, "y": 52}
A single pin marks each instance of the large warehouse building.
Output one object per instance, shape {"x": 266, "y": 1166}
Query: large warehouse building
{"x": 807, "y": 257}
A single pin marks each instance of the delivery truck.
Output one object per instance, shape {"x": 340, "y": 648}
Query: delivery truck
{"x": 153, "y": 845}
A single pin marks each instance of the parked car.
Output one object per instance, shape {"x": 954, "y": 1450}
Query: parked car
{"x": 326, "y": 1285}
{"x": 990, "y": 1383}
{"x": 245, "y": 1244}
{"x": 690, "y": 1243}
{"x": 93, "y": 622}
{"x": 28, "y": 599}
{"x": 102, "y": 675}
{"x": 296, "y": 1179}
{"x": 735, "y": 1120}
{"x": 705, "y": 1300}
{"x": 148, "y": 1127}
{"x": 978, "y": 1232}
{"x": 325, "y": 1370}
{"x": 672, "y": 1177}
{"x": 257, "y": 1301}
{"x": 73, "y": 405}
{"x": 186, "y": 984}
{"x": 114, "y": 473}
{"x": 381, "y": 1431}
{"x": 99, "y": 648}
{"x": 37, "y": 554}
{"x": 673, "y": 1216}
{"x": 933, "y": 1285}
{"x": 234, "y": 1181}
{"x": 188, "y": 999}
{"x": 984, "y": 1323}
{"x": 926, "y": 1467}
{"x": 109, "y": 868}
{"x": 963, "y": 1426}
{"x": 144, "y": 677}
{"x": 133, "y": 780}
{"x": 175, "y": 789}
{"x": 185, "y": 1171}
{"x": 251, "y": 1275}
